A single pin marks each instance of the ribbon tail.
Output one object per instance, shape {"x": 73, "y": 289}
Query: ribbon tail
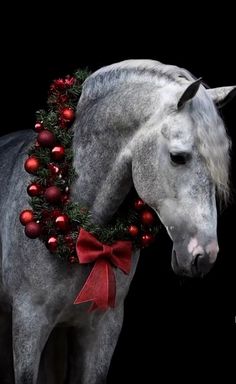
{"x": 100, "y": 287}
{"x": 111, "y": 287}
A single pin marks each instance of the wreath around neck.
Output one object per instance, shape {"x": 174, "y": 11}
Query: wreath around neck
{"x": 54, "y": 218}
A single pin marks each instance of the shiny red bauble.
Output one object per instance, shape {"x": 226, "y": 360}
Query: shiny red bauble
{"x": 138, "y": 204}
{"x": 58, "y": 152}
{"x": 46, "y": 138}
{"x": 38, "y": 126}
{"x": 54, "y": 169}
{"x": 52, "y": 243}
{"x": 133, "y": 230}
{"x": 147, "y": 217}
{"x": 58, "y": 83}
{"x": 68, "y": 114}
{"x": 32, "y": 164}
{"x": 62, "y": 222}
{"x": 147, "y": 239}
{"x": 52, "y": 194}
{"x": 69, "y": 81}
{"x": 26, "y": 216}
{"x": 33, "y": 230}
{"x": 34, "y": 189}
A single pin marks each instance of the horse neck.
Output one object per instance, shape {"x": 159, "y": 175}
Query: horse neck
{"x": 102, "y": 159}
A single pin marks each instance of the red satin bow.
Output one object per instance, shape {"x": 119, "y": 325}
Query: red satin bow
{"x": 100, "y": 286}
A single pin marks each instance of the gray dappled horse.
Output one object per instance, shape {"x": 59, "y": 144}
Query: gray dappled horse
{"x": 140, "y": 123}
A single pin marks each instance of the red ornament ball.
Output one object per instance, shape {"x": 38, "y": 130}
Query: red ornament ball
{"x": 32, "y": 164}
{"x": 147, "y": 217}
{"x": 46, "y": 138}
{"x": 58, "y": 153}
{"x": 68, "y": 114}
{"x": 32, "y": 230}
{"x": 62, "y": 222}
{"x": 59, "y": 83}
{"x": 54, "y": 169}
{"x": 34, "y": 189}
{"x": 52, "y": 243}
{"x": 133, "y": 230}
{"x": 139, "y": 204}
{"x": 52, "y": 194}
{"x": 38, "y": 126}
{"x": 69, "y": 81}
{"x": 147, "y": 239}
{"x": 26, "y": 216}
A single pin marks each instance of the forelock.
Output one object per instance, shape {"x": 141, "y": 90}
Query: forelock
{"x": 213, "y": 141}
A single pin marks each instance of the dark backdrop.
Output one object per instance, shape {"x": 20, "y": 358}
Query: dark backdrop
{"x": 171, "y": 326}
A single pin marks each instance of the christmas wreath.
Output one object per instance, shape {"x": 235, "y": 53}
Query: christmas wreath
{"x": 53, "y": 217}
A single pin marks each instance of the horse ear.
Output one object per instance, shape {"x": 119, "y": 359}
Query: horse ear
{"x": 189, "y": 93}
{"x": 221, "y": 96}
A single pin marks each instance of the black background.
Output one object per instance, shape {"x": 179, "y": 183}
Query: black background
{"x": 174, "y": 328}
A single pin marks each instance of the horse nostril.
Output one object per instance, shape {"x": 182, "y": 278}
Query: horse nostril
{"x": 201, "y": 264}
{"x": 195, "y": 261}
{"x": 196, "y": 264}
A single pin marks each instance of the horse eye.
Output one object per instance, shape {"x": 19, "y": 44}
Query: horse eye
{"x": 178, "y": 159}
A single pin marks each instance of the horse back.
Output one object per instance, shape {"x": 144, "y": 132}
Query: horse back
{"x": 13, "y": 151}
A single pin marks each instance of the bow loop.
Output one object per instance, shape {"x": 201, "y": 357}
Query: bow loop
{"x": 100, "y": 286}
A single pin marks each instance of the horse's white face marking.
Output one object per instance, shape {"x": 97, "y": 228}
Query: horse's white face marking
{"x": 192, "y": 244}
{"x": 198, "y": 250}
{"x": 211, "y": 249}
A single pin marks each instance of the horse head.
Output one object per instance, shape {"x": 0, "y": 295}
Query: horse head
{"x": 160, "y": 129}
{"x": 180, "y": 163}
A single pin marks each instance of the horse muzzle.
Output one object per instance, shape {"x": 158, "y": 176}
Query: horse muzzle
{"x": 196, "y": 260}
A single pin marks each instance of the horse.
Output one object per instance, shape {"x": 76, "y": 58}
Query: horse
{"x": 139, "y": 124}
